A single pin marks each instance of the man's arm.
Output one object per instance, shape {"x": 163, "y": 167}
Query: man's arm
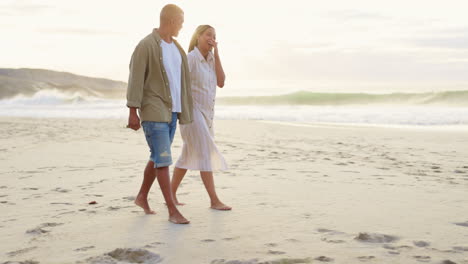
{"x": 136, "y": 80}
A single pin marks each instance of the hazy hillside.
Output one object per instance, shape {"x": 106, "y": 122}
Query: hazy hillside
{"x": 29, "y": 81}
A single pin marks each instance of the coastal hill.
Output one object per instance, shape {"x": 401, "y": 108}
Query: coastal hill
{"x": 29, "y": 81}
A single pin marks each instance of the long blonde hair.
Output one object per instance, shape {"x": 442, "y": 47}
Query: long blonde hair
{"x": 198, "y": 32}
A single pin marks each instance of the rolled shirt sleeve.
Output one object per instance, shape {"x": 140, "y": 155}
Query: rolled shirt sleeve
{"x": 136, "y": 79}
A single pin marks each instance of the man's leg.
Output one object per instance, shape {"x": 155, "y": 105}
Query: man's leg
{"x": 177, "y": 177}
{"x": 148, "y": 179}
{"x": 165, "y": 183}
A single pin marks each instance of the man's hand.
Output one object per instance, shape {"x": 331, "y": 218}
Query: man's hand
{"x": 133, "y": 119}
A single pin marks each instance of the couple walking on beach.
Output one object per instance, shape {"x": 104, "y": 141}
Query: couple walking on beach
{"x": 164, "y": 85}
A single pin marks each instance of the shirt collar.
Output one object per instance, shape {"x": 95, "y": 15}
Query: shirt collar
{"x": 158, "y": 38}
{"x": 156, "y": 35}
{"x": 210, "y": 56}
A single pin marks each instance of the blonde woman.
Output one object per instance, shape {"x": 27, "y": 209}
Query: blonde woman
{"x": 199, "y": 149}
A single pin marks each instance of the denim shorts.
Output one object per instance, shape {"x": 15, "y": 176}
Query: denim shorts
{"x": 159, "y": 136}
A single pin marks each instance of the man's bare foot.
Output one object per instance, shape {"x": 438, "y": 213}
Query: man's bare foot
{"x": 220, "y": 206}
{"x": 143, "y": 203}
{"x": 177, "y": 218}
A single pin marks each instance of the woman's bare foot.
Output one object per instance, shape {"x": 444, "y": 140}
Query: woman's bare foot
{"x": 220, "y": 206}
{"x": 177, "y": 218}
{"x": 143, "y": 203}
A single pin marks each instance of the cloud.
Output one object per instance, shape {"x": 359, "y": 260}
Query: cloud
{"x": 350, "y": 14}
{"x": 358, "y": 64}
{"x": 443, "y": 42}
{"x": 443, "y": 38}
{"x": 77, "y": 31}
{"x": 23, "y": 7}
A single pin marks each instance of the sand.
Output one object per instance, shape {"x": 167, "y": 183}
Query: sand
{"x": 300, "y": 194}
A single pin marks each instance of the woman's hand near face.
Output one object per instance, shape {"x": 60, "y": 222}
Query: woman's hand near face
{"x": 220, "y": 76}
{"x": 213, "y": 44}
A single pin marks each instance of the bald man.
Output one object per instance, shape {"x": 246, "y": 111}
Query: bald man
{"x": 158, "y": 94}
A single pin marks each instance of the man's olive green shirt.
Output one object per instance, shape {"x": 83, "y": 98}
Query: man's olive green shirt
{"x": 148, "y": 85}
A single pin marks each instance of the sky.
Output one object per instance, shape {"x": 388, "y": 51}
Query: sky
{"x": 266, "y": 47}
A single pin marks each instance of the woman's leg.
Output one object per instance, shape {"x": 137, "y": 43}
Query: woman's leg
{"x": 208, "y": 181}
{"x": 176, "y": 180}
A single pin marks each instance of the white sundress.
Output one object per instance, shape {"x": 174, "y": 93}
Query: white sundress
{"x": 199, "y": 151}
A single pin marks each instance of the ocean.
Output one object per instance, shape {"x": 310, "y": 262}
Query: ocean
{"x": 393, "y": 109}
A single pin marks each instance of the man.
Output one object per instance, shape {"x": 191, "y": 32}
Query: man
{"x": 159, "y": 88}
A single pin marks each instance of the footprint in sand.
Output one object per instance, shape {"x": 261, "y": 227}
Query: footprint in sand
{"x": 462, "y": 224}
{"x": 422, "y": 258}
{"x": 95, "y": 195}
{"x": 223, "y": 261}
{"x": 348, "y": 171}
{"x": 19, "y": 252}
{"x": 366, "y": 258}
{"x": 324, "y": 230}
{"x": 129, "y": 198}
{"x": 276, "y": 252}
{"x": 330, "y": 231}
{"x": 447, "y": 261}
{"x": 58, "y": 189}
{"x": 208, "y": 240}
{"x": 375, "y": 238}
{"x": 84, "y": 248}
{"x": 324, "y": 259}
{"x": 306, "y": 216}
{"x": 31, "y": 188}
{"x": 421, "y": 243}
{"x": 154, "y": 244}
{"x": 126, "y": 255}
{"x": 271, "y": 244}
{"x": 460, "y": 248}
{"x": 445, "y": 250}
{"x": 63, "y": 203}
{"x": 68, "y": 212}
{"x": 230, "y": 238}
{"x": 334, "y": 241}
{"x": 396, "y": 247}
{"x": 39, "y": 229}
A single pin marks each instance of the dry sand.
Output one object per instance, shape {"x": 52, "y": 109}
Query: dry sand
{"x": 300, "y": 194}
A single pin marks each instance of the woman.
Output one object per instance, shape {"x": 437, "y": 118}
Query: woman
{"x": 199, "y": 150}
